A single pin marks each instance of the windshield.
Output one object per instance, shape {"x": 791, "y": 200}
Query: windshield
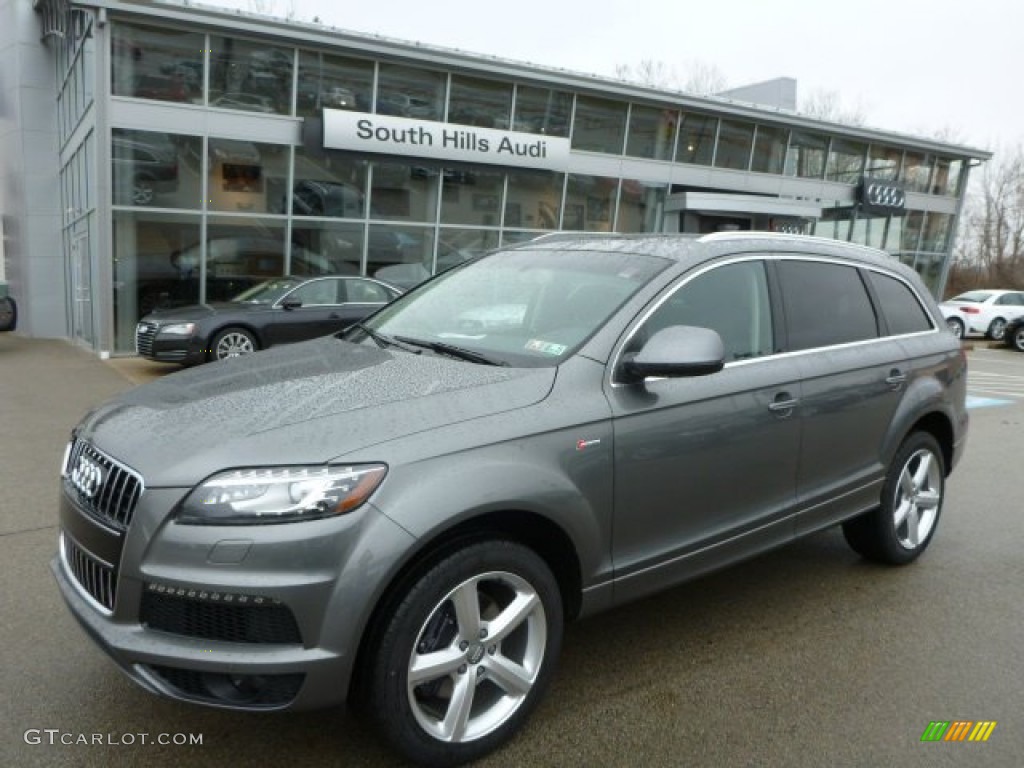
{"x": 523, "y": 308}
{"x": 268, "y": 291}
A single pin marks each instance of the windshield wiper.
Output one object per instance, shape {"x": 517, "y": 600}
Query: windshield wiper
{"x": 380, "y": 339}
{"x": 442, "y": 348}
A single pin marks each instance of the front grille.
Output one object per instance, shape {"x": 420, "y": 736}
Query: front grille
{"x": 145, "y": 333}
{"x": 95, "y": 577}
{"x": 273, "y": 623}
{"x": 239, "y": 690}
{"x": 103, "y": 487}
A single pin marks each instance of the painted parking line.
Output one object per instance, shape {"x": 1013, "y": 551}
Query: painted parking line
{"x": 985, "y": 402}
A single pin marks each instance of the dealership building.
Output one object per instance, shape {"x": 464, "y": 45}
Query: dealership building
{"x": 156, "y": 153}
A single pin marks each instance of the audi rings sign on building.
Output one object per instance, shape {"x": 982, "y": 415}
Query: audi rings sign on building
{"x": 878, "y": 196}
{"x": 87, "y": 477}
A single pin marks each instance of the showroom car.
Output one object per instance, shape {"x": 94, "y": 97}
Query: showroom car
{"x": 277, "y": 311}
{"x": 403, "y": 516}
{"x": 982, "y": 312}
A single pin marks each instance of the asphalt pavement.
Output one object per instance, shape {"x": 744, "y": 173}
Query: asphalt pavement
{"x": 805, "y": 657}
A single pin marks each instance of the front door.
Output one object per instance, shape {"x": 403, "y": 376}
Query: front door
{"x": 81, "y": 288}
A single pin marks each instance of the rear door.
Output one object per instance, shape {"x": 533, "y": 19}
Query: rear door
{"x": 853, "y": 378}
{"x": 319, "y": 302}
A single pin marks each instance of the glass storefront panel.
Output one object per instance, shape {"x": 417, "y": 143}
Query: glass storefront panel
{"x": 329, "y": 184}
{"x": 332, "y": 82}
{"x": 590, "y": 203}
{"x": 251, "y": 76}
{"x": 651, "y": 132}
{"x": 935, "y": 236}
{"x": 834, "y": 223}
{"x": 735, "y": 140}
{"x": 641, "y": 207}
{"x": 410, "y": 92}
{"x": 534, "y": 199}
{"x": 455, "y": 246}
{"x": 845, "y": 161}
{"x": 929, "y": 266}
{"x": 916, "y": 172}
{"x": 486, "y": 103}
{"x": 806, "y": 155}
{"x": 247, "y": 177}
{"x": 869, "y": 230}
{"x": 404, "y": 192}
{"x": 884, "y": 162}
{"x": 599, "y": 125}
{"x": 334, "y": 246}
{"x": 148, "y": 268}
{"x": 156, "y": 169}
{"x": 156, "y": 63}
{"x": 946, "y": 180}
{"x": 541, "y": 110}
{"x": 696, "y": 143}
{"x": 894, "y": 240}
{"x": 769, "y": 149}
{"x": 241, "y": 252}
{"x": 409, "y": 263}
{"x": 513, "y": 237}
{"x": 913, "y": 223}
{"x": 471, "y": 197}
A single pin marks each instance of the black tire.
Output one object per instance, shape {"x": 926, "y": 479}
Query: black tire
{"x": 956, "y": 327}
{"x": 997, "y": 329}
{"x": 232, "y": 342}
{"x": 1016, "y": 340}
{"x": 8, "y": 314}
{"x": 877, "y": 535}
{"x": 421, "y": 721}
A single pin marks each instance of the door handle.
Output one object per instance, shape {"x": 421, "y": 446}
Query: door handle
{"x": 783, "y": 403}
{"x": 896, "y": 378}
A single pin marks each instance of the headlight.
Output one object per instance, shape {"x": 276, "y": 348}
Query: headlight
{"x": 280, "y": 494}
{"x": 178, "y": 329}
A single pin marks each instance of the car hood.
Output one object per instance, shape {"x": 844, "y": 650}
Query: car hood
{"x": 195, "y": 312}
{"x": 302, "y": 403}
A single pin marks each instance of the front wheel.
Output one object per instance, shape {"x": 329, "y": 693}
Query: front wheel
{"x": 901, "y": 527}
{"x": 466, "y": 654}
{"x": 956, "y": 327}
{"x": 233, "y": 342}
{"x": 997, "y": 329}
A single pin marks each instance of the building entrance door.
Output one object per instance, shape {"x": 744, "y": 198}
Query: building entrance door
{"x": 81, "y": 288}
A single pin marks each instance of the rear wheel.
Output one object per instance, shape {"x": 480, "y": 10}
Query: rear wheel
{"x": 902, "y": 526}
{"x": 956, "y": 327}
{"x": 233, "y": 342}
{"x": 466, "y": 654}
{"x": 997, "y": 329}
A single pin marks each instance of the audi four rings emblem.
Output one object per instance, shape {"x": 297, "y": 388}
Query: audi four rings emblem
{"x": 885, "y": 196}
{"x": 87, "y": 477}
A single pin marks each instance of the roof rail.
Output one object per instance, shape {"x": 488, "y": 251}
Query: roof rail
{"x": 754, "y": 234}
{"x": 570, "y": 235}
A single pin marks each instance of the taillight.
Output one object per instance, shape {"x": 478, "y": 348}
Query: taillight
{"x": 970, "y": 310}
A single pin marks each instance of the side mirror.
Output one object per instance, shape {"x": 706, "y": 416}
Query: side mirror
{"x": 291, "y": 304}
{"x": 675, "y": 352}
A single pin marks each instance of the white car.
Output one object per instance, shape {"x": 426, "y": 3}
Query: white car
{"x": 982, "y": 312}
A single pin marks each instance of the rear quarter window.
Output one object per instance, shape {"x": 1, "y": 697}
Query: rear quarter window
{"x": 902, "y": 309}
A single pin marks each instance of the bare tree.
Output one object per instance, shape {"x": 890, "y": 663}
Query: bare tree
{"x": 270, "y": 8}
{"x": 656, "y": 74}
{"x": 704, "y": 79}
{"x": 990, "y": 249}
{"x": 698, "y": 77}
{"x": 825, "y": 104}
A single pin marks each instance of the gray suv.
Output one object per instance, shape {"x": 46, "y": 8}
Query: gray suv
{"x": 404, "y": 515}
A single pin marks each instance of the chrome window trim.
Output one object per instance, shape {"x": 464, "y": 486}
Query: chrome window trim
{"x": 617, "y": 354}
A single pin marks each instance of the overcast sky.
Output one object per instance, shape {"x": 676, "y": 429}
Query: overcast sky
{"x": 916, "y": 66}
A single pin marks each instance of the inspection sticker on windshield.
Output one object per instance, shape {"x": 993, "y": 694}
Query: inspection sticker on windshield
{"x": 545, "y": 347}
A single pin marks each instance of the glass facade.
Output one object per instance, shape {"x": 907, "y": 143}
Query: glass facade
{"x": 197, "y": 215}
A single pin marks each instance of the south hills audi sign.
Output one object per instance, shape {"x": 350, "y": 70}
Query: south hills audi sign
{"x": 878, "y": 196}
{"x": 387, "y": 135}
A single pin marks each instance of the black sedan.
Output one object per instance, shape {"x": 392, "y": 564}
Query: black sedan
{"x": 1014, "y": 334}
{"x": 277, "y": 311}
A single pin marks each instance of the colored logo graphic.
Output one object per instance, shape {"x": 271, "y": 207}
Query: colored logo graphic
{"x": 958, "y": 730}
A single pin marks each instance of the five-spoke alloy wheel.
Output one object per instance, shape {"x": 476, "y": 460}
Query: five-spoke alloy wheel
{"x": 466, "y": 655}
{"x": 902, "y": 526}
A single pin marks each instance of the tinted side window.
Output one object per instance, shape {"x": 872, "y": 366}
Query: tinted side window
{"x": 1011, "y": 299}
{"x": 825, "y": 304}
{"x": 903, "y": 312}
{"x": 732, "y": 300}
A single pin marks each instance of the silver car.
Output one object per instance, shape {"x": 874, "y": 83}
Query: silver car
{"x": 405, "y": 515}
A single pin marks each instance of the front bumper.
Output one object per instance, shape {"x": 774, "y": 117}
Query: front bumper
{"x": 175, "y": 349}
{"x": 324, "y": 575}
